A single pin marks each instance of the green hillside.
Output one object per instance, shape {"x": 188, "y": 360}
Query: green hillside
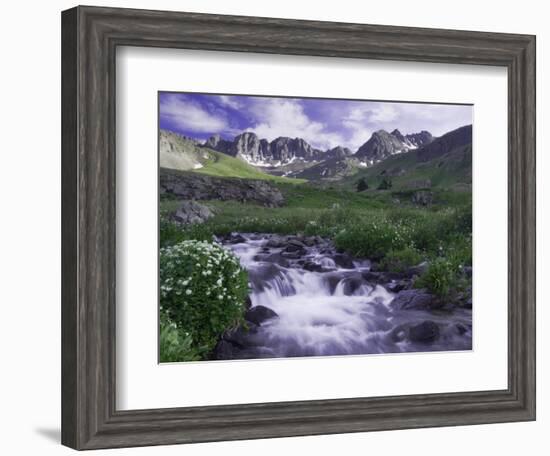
{"x": 184, "y": 154}
{"x": 222, "y": 165}
{"x": 407, "y": 171}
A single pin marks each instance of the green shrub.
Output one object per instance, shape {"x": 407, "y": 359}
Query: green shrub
{"x": 458, "y": 250}
{"x": 400, "y": 260}
{"x": 172, "y": 232}
{"x": 441, "y": 277}
{"x": 202, "y": 290}
{"x": 461, "y": 219}
{"x": 373, "y": 238}
{"x": 362, "y": 185}
{"x": 435, "y": 231}
{"x": 175, "y": 344}
{"x": 386, "y": 184}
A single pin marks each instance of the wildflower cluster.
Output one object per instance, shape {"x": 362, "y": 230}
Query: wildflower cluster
{"x": 202, "y": 290}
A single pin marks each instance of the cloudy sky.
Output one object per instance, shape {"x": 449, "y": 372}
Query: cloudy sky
{"x": 322, "y": 123}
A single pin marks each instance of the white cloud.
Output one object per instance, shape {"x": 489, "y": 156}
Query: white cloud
{"x": 364, "y": 118}
{"x": 284, "y": 117}
{"x": 229, "y": 101}
{"x": 383, "y": 112}
{"x": 191, "y": 116}
{"x": 369, "y": 112}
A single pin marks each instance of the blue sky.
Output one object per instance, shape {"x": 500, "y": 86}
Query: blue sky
{"x": 321, "y": 122}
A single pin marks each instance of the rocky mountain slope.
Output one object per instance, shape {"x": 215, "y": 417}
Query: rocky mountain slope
{"x": 260, "y": 152}
{"x": 278, "y": 154}
{"x": 456, "y": 138}
{"x": 178, "y": 152}
{"x": 296, "y": 158}
{"x": 171, "y": 146}
{"x": 446, "y": 161}
{"x": 382, "y": 144}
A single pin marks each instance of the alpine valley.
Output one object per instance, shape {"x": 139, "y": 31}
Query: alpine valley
{"x": 411, "y": 159}
{"x": 276, "y": 248}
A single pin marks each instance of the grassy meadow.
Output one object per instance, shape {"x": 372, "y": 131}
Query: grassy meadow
{"x": 377, "y": 224}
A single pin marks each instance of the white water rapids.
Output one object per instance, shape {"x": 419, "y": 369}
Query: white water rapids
{"x": 329, "y": 309}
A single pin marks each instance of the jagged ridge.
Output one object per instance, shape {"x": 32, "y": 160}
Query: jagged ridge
{"x": 284, "y": 150}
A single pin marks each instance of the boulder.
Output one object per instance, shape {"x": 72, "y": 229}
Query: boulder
{"x": 314, "y": 267}
{"x": 276, "y": 258}
{"x": 397, "y": 286}
{"x": 422, "y": 198}
{"x": 191, "y": 212}
{"x": 343, "y": 260}
{"x": 310, "y": 241}
{"x": 425, "y": 332}
{"x": 293, "y": 253}
{"x": 372, "y": 276}
{"x": 240, "y": 337}
{"x": 236, "y": 238}
{"x": 276, "y": 241}
{"x": 259, "y": 315}
{"x": 415, "y": 299}
{"x": 294, "y": 245}
{"x": 225, "y": 350}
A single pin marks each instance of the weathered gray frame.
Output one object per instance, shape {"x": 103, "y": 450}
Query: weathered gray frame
{"x": 90, "y": 36}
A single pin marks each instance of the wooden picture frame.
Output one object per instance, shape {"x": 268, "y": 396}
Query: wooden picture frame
{"x": 90, "y": 36}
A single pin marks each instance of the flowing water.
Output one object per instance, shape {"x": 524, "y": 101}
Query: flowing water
{"x": 325, "y": 306}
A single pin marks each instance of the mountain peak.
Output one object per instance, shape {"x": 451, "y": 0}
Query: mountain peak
{"x": 398, "y": 135}
{"x": 383, "y": 144}
{"x": 247, "y": 134}
{"x": 338, "y": 152}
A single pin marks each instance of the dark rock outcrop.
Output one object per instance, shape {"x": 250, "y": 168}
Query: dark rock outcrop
{"x": 193, "y": 186}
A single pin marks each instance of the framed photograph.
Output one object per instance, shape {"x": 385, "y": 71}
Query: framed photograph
{"x": 280, "y": 228}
